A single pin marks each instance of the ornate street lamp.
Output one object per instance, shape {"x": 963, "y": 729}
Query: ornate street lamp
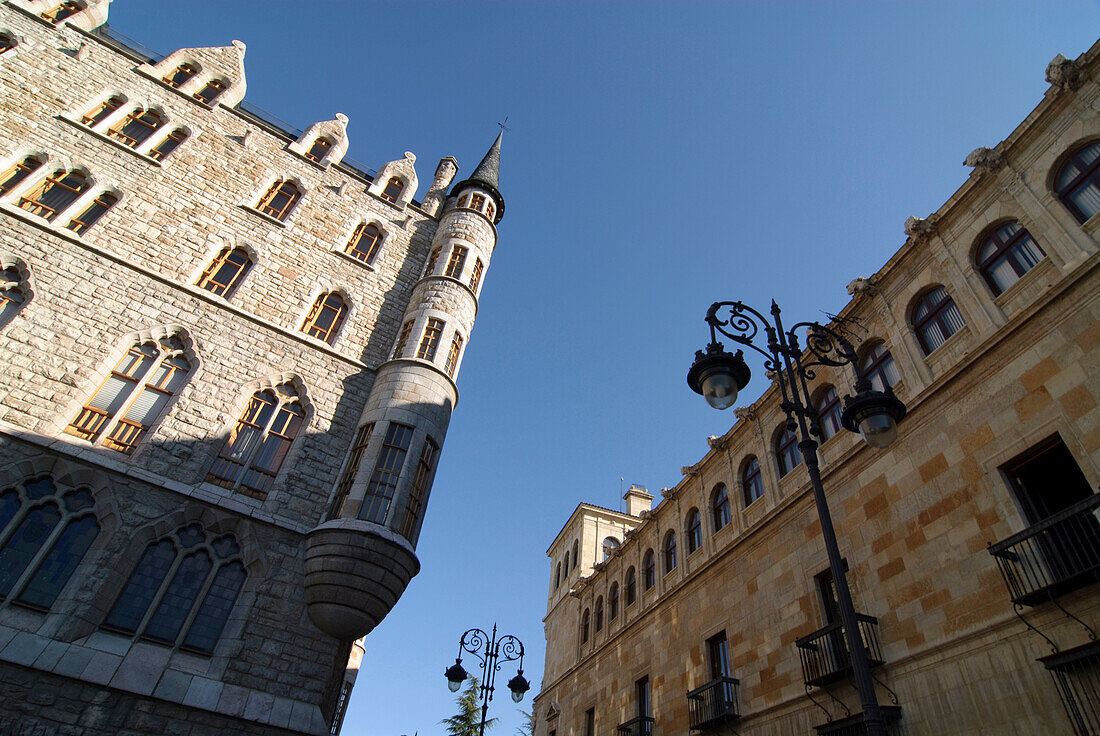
{"x": 719, "y": 375}
{"x": 490, "y": 651}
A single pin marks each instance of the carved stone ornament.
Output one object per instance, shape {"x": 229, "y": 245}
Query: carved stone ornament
{"x": 861, "y": 286}
{"x": 919, "y": 228}
{"x": 553, "y": 711}
{"x": 686, "y": 470}
{"x": 670, "y": 493}
{"x": 744, "y": 412}
{"x": 985, "y": 159}
{"x": 1063, "y": 73}
{"x": 645, "y": 514}
{"x": 717, "y": 443}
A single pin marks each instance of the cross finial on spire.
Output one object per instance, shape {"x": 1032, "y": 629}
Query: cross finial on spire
{"x": 504, "y": 125}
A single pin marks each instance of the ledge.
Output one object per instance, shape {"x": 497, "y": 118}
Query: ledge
{"x": 263, "y": 215}
{"x": 104, "y": 137}
{"x": 346, "y": 256}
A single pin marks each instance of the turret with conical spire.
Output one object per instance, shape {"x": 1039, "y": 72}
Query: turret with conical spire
{"x": 360, "y": 559}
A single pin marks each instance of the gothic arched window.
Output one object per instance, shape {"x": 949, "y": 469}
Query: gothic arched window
{"x": 182, "y": 590}
{"x": 226, "y": 272}
{"x": 44, "y": 534}
{"x": 255, "y": 450}
{"x": 694, "y": 531}
{"x": 720, "y": 506}
{"x": 1078, "y": 182}
{"x": 280, "y": 199}
{"x": 170, "y": 143}
{"x": 393, "y": 190}
{"x": 134, "y": 396}
{"x": 102, "y": 111}
{"x": 59, "y": 190}
{"x": 136, "y": 127}
{"x": 180, "y": 75}
{"x": 211, "y": 91}
{"x": 91, "y": 214}
{"x": 364, "y": 243}
{"x": 326, "y": 316}
{"x": 14, "y": 176}
{"x": 1008, "y": 254}
{"x": 320, "y": 148}
{"x": 935, "y": 318}
{"x": 787, "y": 454}
{"x": 877, "y": 366}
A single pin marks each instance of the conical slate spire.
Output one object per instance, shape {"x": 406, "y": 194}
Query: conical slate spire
{"x": 486, "y": 176}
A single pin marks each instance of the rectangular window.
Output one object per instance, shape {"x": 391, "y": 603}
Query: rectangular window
{"x": 419, "y": 488}
{"x": 718, "y": 656}
{"x": 642, "y": 698}
{"x": 402, "y": 339}
{"x": 430, "y": 268}
{"x": 430, "y": 342}
{"x": 452, "y": 356}
{"x": 458, "y": 260}
{"x": 475, "y": 277}
{"x": 590, "y": 722}
{"x": 362, "y": 438}
{"x": 387, "y": 471}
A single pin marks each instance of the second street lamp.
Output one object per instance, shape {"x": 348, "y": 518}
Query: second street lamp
{"x": 490, "y": 651}
{"x": 719, "y": 375}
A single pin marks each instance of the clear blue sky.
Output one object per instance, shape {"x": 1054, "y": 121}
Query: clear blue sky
{"x": 661, "y": 156}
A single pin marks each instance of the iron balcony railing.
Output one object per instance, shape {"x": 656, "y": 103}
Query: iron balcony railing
{"x": 1076, "y": 674}
{"x": 640, "y": 726}
{"x": 825, "y": 656}
{"x": 714, "y": 703}
{"x": 854, "y": 724}
{"x": 1059, "y": 554}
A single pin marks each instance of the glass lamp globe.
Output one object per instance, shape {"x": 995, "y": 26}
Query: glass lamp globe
{"x": 455, "y": 675}
{"x": 878, "y": 430}
{"x": 874, "y": 414}
{"x": 718, "y": 375}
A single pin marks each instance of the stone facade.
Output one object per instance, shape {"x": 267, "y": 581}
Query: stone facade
{"x": 307, "y": 528}
{"x": 1003, "y": 419}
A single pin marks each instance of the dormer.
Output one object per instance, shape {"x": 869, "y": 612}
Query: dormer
{"x": 396, "y": 181}
{"x": 84, "y": 14}
{"x": 324, "y": 143}
{"x": 213, "y": 75}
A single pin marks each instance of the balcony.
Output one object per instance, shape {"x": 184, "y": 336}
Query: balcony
{"x": 713, "y": 704}
{"x": 1058, "y": 555}
{"x": 853, "y": 725}
{"x": 825, "y": 656}
{"x": 640, "y": 726}
{"x": 1076, "y": 674}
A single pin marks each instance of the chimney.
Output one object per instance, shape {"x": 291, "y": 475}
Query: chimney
{"x": 638, "y": 499}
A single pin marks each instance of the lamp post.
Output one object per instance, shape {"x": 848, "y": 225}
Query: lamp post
{"x": 718, "y": 376}
{"x": 490, "y": 651}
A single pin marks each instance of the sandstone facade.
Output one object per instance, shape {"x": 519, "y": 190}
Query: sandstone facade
{"x": 1017, "y": 381}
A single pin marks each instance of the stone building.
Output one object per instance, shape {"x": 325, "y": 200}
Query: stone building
{"x": 227, "y": 366}
{"x": 972, "y": 543}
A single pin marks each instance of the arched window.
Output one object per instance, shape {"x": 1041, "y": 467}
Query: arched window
{"x": 320, "y": 148}
{"x": 610, "y": 544}
{"x": 170, "y": 143}
{"x": 91, "y": 214}
{"x": 786, "y": 452}
{"x": 1008, "y": 254}
{"x": 180, "y": 75}
{"x": 134, "y": 396}
{"x": 613, "y": 602}
{"x": 60, "y": 12}
{"x": 557, "y": 576}
{"x": 751, "y": 480}
{"x": 670, "y": 552}
{"x": 211, "y": 91}
{"x": 7, "y": 43}
{"x": 694, "y": 531}
{"x": 456, "y": 262}
{"x": 649, "y": 570}
{"x": 326, "y": 316}
{"x": 452, "y": 355}
{"x": 877, "y": 366}
{"x": 14, "y": 176}
{"x": 1078, "y": 182}
{"x": 102, "y": 111}
{"x": 720, "y": 506}
{"x": 429, "y": 341}
{"x": 599, "y": 614}
{"x": 258, "y": 444}
{"x": 364, "y": 243}
{"x": 565, "y": 564}
{"x": 44, "y": 534}
{"x": 226, "y": 272}
{"x": 58, "y": 191}
{"x": 935, "y": 318}
{"x": 576, "y": 554}
{"x": 475, "y": 275}
{"x": 13, "y": 293}
{"x": 280, "y": 199}
{"x": 828, "y": 412}
{"x": 631, "y": 585}
{"x": 386, "y": 473}
{"x": 182, "y": 590}
{"x": 393, "y": 190}
{"x": 584, "y": 627}
{"x": 136, "y": 127}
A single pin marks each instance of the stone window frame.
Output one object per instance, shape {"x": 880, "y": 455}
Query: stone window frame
{"x": 319, "y": 148}
{"x": 649, "y": 569}
{"x": 557, "y": 575}
{"x": 469, "y": 201}
{"x": 266, "y": 192}
{"x": 598, "y": 615}
{"x": 631, "y": 585}
{"x": 216, "y": 86}
{"x": 785, "y": 450}
{"x": 721, "y": 514}
{"x": 476, "y": 274}
{"x": 454, "y": 355}
{"x": 1007, "y": 250}
{"x": 114, "y": 358}
{"x": 1089, "y": 177}
{"x": 387, "y": 194}
{"x": 138, "y": 126}
{"x": 21, "y": 168}
{"x": 62, "y": 11}
{"x": 108, "y": 127}
{"x": 8, "y": 41}
{"x": 613, "y": 602}
{"x": 417, "y": 499}
{"x": 586, "y": 618}
{"x": 937, "y": 316}
{"x": 668, "y": 552}
{"x": 456, "y": 261}
{"x": 877, "y": 368}
{"x": 21, "y": 284}
{"x": 215, "y": 266}
{"x": 191, "y": 68}
{"x": 347, "y": 250}
{"x": 751, "y": 471}
{"x": 827, "y": 410}
{"x": 56, "y": 170}
{"x": 430, "y": 338}
{"x": 231, "y": 420}
{"x": 330, "y": 335}
{"x": 693, "y": 531}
